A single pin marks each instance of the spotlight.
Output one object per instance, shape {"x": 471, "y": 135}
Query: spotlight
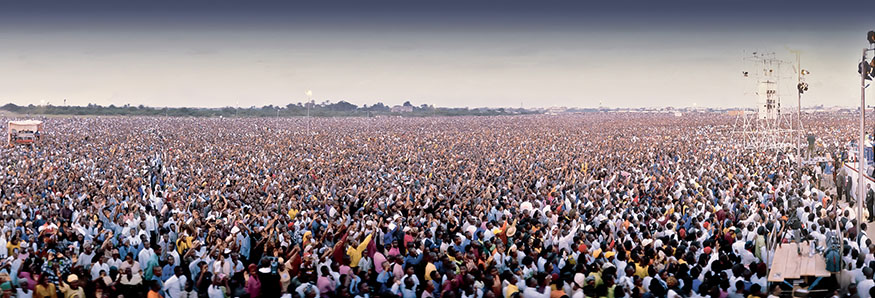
{"x": 805, "y": 72}
{"x": 802, "y": 87}
{"x": 865, "y": 69}
{"x": 872, "y": 68}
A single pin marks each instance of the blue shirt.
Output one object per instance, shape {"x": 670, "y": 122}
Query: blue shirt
{"x": 160, "y": 285}
{"x": 167, "y": 272}
{"x": 123, "y": 251}
{"x": 244, "y": 245}
{"x": 412, "y": 261}
{"x": 461, "y": 247}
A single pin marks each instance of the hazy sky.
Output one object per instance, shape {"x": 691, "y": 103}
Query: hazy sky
{"x": 448, "y": 53}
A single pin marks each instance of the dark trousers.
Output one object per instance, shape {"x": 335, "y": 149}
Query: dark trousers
{"x": 870, "y": 208}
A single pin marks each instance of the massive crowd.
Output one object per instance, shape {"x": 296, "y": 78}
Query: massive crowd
{"x": 597, "y": 205}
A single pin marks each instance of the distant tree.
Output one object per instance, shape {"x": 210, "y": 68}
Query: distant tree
{"x": 407, "y": 104}
{"x": 379, "y": 107}
{"x": 342, "y": 106}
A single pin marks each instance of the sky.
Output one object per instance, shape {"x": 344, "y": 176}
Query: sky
{"x": 449, "y": 53}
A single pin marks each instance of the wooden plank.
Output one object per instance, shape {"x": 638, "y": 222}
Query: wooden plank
{"x": 820, "y": 267}
{"x": 808, "y": 268}
{"x": 806, "y": 264}
{"x": 793, "y": 262}
{"x": 779, "y": 263}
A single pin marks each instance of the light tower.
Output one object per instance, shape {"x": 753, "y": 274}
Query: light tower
{"x": 866, "y": 73}
{"x": 768, "y": 127}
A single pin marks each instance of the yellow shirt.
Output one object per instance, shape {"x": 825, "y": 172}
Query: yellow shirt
{"x": 510, "y": 290}
{"x": 45, "y": 291}
{"x": 10, "y": 247}
{"x": 641, "y": 271}
{"x": 598, "y": 278}
{"x": 69, "y": 292}
{"x": 355, "y": 253}
{"x": 183, "y": 243}
{"x": 428, "y": 269}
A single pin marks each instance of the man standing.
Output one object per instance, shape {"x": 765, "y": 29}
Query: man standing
{"x": 175, "y": 285}
{"x": 867, "y": 283}
{"x": 840, "y": 184}
{"x": 870, "y": 200}
{"x": 849, "y": 185}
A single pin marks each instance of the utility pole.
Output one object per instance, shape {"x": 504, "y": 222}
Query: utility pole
{"x": 309, "y": 103}
{"x": 861, "y": 191}
{"x": 798, "y": 108}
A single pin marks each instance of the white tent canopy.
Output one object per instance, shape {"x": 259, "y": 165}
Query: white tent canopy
{"x": 32, "y": 125}
{"x": 23, "y": 131}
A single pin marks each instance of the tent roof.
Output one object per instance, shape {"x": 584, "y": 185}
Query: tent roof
{"x": 25, "y": 122}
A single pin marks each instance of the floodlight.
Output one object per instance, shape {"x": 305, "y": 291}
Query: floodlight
{"x": 865, "y": 70}
{"x": 802, "y": 87}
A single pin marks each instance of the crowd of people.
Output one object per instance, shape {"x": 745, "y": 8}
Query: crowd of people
{"x": 594, "y": 205}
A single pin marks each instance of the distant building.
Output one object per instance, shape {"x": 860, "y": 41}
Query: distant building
{"x": 556, "y": 110}
{"x": 402, "y": 109}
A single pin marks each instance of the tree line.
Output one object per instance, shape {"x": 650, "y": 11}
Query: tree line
{"x": 323, "y": 109}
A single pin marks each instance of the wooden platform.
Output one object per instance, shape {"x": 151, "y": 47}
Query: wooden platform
{"x": 788, "y": 264}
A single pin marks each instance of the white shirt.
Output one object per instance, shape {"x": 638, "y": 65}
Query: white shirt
{"x": 21, "y": 294}
{"x": 174, "y": 286}
{"x": 115, "y": 263}
{"x": 222, "y": 267}
{"x": 85, "y": 259}
{"x": 175, "y": 256}
{"x": 151, "y": 223}
{"x": 303, "y": 288}
{"x": 738, "y": 247}
{"x": 3, "y": 252}
{"x": 533, "y": 293}
{"x": 759, "y": 280}
{"x": 215, "y": 292}
{"x": 96, "y": 268}
{"x": 863, "y": 288}
{"x": 747, "y": 258}
{"x": 135, "y": 267}
{"x": 145, "y": 255}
